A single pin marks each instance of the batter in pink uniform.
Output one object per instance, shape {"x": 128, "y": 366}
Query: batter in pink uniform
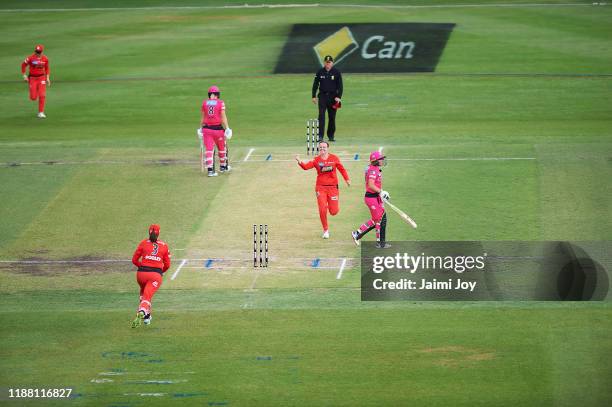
{"x": 374, "y": 201}
{"x": 215, "y": 130}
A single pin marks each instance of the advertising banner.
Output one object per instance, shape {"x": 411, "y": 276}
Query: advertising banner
{"x": 365, "y": 47}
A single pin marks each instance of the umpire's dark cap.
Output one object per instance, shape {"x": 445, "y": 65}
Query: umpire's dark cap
{"x": 328, "y": 58}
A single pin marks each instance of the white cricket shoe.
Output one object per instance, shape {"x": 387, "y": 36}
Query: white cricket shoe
{"x": 326, "y": 234}
{"x": 227, "y": 168}
{"x": 147, "y": 321}
{"x": 355, "y": 238}
{"x": 41, "y": 115}
{"x": 212, "y": 173}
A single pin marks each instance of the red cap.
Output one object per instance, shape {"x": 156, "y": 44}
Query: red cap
{"x": 154, "y": 228}
{"x": 39, "y": 48}
{"x": 337, "y": 105}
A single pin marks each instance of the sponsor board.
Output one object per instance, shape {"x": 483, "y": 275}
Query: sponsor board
{"x": 365, "y": 47}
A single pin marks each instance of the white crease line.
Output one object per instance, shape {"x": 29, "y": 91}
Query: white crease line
{"x": 178, "y": 269}
{"x": 249, "y": 154}
{"x": 464, "y": 159}
{"x": 346, "y": 158}
{"x": 64, "y": 261}
{"x": 215, "y": 259}
{"x": 339, "y": 276}
{"x": 424, "y": 159}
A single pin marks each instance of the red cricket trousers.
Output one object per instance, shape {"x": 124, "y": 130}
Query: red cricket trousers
{"x": 149, "y": 282}
{"x": 328, "y": 200}
{"x": 38, "y": 90}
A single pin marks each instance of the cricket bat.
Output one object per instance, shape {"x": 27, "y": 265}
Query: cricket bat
{"x": 402, "y": 215}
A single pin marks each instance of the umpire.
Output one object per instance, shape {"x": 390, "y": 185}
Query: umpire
{"x": 328, "y": 81}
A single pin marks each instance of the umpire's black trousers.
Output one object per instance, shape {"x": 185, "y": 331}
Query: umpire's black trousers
{"x": 326, "y": 100}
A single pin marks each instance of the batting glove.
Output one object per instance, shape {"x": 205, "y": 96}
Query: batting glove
{"x": 199, "y": 133}
{"x": 25, "y": 77}
{"x": 385, "y": 195}
{"x": 228, "y": 133}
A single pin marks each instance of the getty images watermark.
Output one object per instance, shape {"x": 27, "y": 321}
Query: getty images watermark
{"x": 422, "y": 262}
{"x": 472, "y": 271}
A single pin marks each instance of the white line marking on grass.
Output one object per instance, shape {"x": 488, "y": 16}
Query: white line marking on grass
{"x": 249, "y": 154}
{"x": 252, "y": 287}
{"x": 178, "y": 269}
{"x": 464, "y": 159}
{"x": 215, "y": 259}
{"x": 404, "y": 6}
{"x": 63, "y": 261}
{"x": 425, "y": 159}
{"x": 271, "y": 6}
{"x": 265, "y": 158}
{"x": 339, "y": 276}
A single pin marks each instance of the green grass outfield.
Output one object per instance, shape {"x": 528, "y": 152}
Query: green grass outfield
{"x": 510, "y": 139}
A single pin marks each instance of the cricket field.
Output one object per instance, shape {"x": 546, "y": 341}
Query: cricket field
{"x": 509, "y": 139}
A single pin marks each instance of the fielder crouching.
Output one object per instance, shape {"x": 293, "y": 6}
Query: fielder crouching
{"x": 152, "y": 257}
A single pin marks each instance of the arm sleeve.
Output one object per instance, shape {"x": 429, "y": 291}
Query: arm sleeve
{"x": 340, "y": 89}
{"x": 48, "y": 68}
{"x": 166, "y": 261}
{"x": 315, "y": 85}
{"x": 136, "y": 257}
{"x": 342, "y": 170}
{"x": 24, "y": 64}
{"x": 307, "y": 166}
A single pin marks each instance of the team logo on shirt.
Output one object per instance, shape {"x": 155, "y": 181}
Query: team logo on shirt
{"x": 325, "y": 167}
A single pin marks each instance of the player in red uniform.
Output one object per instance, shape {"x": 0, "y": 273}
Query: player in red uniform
{"x": 215, "y": 130}
{"x": 374, "y": 200}
{"x": 152, "y": 258}
{"x": 326, "y": 188}
{"x": 37, "y": 77}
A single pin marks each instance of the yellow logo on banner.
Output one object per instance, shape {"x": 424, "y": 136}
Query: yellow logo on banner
{"x": 339, "y": 45}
